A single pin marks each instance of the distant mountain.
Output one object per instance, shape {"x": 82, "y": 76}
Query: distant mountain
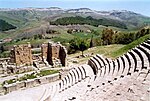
{"x": 80, "y": 10}
{"x": 19, "y": 17}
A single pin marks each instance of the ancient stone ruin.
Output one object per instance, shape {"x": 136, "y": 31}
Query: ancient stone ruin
{"x": 54, "y": 54}
{"x": 21, "y": 54}
{"x": 126, "y": 78}
{"x": 22, "y": 60}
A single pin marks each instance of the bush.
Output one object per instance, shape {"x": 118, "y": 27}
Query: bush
{"x": 47, "y": 72}
{"x": 10, "y": 81}
{"x": 27, "y": 76}
{"x": 126, "y": 38}
{"x": 5, "y": 54}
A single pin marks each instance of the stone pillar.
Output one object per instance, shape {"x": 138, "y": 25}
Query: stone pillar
{"x": 49, "y": 54}
{"x": 63, "y": 55}
{"x": 30, "y": 54}
{"x": 44, "y": 49}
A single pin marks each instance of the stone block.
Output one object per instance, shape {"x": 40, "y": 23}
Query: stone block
{"x": 11, "y": 87}
{"x": 43, "y": 80}
{"x": 20, "y": 84}
{"x": 2, "y": 90}
{"x": 29, "y": 83}
{"x": 55, "y": 77}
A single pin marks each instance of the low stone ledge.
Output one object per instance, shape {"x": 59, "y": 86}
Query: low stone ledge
{"x": 29, "y": 83}
{"x": 9, "y": 88}
{"x": 2, "y": 90}
{"x": 53, "y": 77}
{"x": 43, "y": 80}
{"x": 20, "y": 84}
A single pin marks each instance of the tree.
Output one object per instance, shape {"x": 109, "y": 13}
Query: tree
{"x": 83, "y": 45}
{"x": 69, "y": 31}
{"x": 91, "y": 42}
{"x": 78, "y": 44}
{"x": 2, "y": 49}
{"x": 73, "y": 46}
{"x": 107, "y": 36}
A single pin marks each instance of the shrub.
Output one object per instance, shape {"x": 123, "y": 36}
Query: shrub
{"x": 47, "y": 72}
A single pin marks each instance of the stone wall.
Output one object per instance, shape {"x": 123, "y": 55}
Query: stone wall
{"x": 52, "y": 52}
{"x": 21, "y": 54}
{"x": 29, "y": 83}
{"x": 44, "y": 48}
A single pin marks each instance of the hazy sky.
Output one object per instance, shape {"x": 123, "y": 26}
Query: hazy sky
{"x": 139, "y": 6}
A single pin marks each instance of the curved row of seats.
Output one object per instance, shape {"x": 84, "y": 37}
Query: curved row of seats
{"x": 107, "y": 70}
{"x": 74, "y": 76}
{"x": 133, "y": 61}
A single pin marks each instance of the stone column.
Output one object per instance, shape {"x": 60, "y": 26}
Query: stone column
{"x": 30, "y": 53}
{"x": 49, "y": 54}
{"x": 63, "y": 55}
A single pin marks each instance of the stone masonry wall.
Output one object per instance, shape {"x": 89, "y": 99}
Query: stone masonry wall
{"x": 21, "y": 54}
{"x": 44, "y": 48}
{"x": 54, "y": 51}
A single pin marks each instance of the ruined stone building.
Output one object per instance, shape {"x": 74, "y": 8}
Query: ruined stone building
{"x": 21, "y": 54}
{"x": 52, "y": 52}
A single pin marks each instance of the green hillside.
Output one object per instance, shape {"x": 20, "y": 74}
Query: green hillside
{"x": 4, "y": 26}
{"x": 90, "y": 21}
{"x": 130, "y": 46}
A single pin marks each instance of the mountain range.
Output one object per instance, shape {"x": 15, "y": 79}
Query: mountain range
{"x": 27, "y": 18}
{"x": 22, "y": 15}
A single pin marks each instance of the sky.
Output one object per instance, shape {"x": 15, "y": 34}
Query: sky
{"x": 138, "y": 6}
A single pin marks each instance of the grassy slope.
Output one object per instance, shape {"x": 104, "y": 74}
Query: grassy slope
{"x": 24, "y": 28}
{"x": 37, "y": 41}
{"x": 105, "y": 50}
{"x": 110, "y": 51}
{"x": 129, "y": 46}
{"x": 65, "y": 38}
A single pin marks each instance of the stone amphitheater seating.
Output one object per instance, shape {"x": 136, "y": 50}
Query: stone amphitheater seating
{"x": 108, "y": 74}
{"x": 102, "y": 79}
{"x": 132, "y": 66}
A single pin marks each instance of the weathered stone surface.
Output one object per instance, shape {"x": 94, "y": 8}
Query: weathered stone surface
{"x": 44, "y": 49}
{"x": 20, "y": 84}
{"x": 30, "y": 83}
{"x": 53, "y": 77}
{"x": 21, "y": 54}
{"x": 49, "y": 54}
{"x": 54, "y": 52}
{"x": 2, "y": 90}
{"x": 43, "y": 80}
{"x": 63, "y": 55}
{"x": 10, "y": 87}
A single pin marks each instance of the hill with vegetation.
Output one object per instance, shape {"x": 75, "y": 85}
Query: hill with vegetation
{"x": 92, "y": 28}
{"x": 31, "y": 21}
{"x": 88, "y": 20}
{"x": 4, "y": 26}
